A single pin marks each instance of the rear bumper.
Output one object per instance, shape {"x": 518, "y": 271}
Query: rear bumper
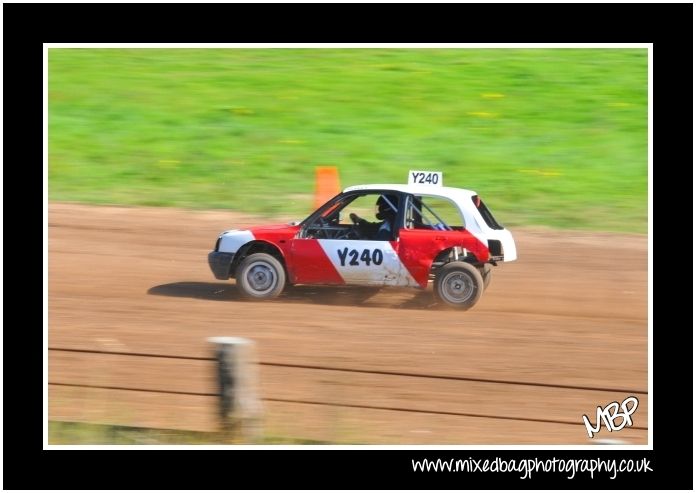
{"x": 220, "y": 263}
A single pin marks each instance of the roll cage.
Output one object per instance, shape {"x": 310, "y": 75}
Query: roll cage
{"x": 412, "y": 213}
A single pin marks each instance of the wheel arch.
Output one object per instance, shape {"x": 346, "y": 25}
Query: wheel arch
{"x": 257, "y": 246}
{"x": 451, "y": 254}
{"x": 447, "y": 255}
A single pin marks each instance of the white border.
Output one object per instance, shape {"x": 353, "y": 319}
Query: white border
{"x": 351, "y": 1}
{"x": 648, "y": 46}
{"x": 45, "y": 245}
{"x": 650, "y": 248}
{"x": 347, "y": 45}
{"x": 2, "y": 229}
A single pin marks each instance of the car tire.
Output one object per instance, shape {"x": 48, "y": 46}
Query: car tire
{"x": 260, "y": 276}
{"x": 486, "y": 272}
{"x": 458, "y": 285}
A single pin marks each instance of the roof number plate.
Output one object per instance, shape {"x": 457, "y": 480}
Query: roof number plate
{"x": 425, "y": 178}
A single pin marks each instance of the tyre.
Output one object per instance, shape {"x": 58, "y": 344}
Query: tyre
{"x": 459, "y": 285}
{"x": 486, "y": 272}
{"x": 260, "y": 276}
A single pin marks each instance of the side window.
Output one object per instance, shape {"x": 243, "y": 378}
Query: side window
{"x": 328, "y": 224}
{"x": 430, "y": 212}
{"x": 364, "y": 216}
{"x": 363, "y": 207}
{"x": 372, "y": 216}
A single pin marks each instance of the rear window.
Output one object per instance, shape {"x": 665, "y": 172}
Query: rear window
{"x": 486, "y": 214}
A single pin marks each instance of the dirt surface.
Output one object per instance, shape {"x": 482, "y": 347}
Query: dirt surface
{"x": 559, "y": 332}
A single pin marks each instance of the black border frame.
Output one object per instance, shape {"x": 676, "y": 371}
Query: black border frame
{"x": 26, "y": 26}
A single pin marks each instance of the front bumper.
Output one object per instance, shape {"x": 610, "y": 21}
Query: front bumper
{"x": 220, "y": 263}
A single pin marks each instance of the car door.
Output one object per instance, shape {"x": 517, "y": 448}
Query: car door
{"x": 335, "y": 255}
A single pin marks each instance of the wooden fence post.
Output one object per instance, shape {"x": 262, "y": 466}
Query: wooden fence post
{"x": 240, "y": 409}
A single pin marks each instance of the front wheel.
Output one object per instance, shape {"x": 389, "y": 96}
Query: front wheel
{"x": 260, "y": 276}
{"x": 459, "y": 285}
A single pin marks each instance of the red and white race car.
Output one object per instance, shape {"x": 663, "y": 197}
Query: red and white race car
{"x": 424, "y": 232}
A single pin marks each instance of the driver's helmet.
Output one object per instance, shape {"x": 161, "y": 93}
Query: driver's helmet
{"x": 385, "y": 208}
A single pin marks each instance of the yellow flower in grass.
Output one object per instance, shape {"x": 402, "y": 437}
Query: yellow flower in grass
{"x": 482, "y": 114}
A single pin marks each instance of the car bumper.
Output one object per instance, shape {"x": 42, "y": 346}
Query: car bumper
{"x": 220, "y": 263}
{"x": 502, "y": 247}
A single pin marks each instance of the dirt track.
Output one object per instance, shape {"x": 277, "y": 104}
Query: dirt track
{"x": 559, "y": 332}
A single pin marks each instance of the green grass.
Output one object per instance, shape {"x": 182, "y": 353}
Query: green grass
{"x": 71, "y": 433}
{"x": 554, "y": 137}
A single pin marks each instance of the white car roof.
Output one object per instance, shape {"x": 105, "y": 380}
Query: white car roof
{"x": 447, "y": 192}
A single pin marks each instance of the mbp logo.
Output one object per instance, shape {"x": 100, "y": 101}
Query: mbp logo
{"x": 610, "y": 414}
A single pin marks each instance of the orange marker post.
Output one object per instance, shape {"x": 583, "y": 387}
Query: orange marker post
{"x": 327, "y": 184}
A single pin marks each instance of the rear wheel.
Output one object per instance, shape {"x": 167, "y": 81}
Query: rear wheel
{"x": 260, "y": 276}
{"x": 486, "y": 272}
{"x": 459, "y": 285}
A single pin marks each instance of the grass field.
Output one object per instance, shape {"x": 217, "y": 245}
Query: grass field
{"x": 65, "y": 433}
{"x": 554, "y": 137}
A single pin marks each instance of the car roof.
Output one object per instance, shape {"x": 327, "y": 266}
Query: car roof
{"x": 447, "y": 192}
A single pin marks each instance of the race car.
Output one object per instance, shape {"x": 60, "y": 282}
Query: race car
{"x": 425, "y": 233}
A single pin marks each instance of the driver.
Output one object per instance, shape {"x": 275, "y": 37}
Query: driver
{"x": 385, "y": 211}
